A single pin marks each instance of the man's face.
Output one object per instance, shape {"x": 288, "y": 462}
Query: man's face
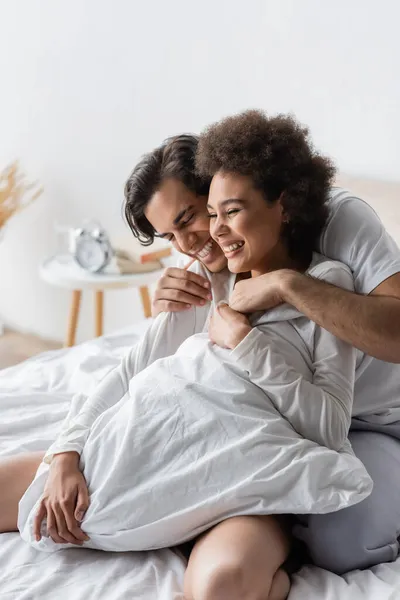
{"x": 180, "y": 216}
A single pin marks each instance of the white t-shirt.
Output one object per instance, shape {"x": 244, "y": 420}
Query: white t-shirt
{"x": 355, "y": 236}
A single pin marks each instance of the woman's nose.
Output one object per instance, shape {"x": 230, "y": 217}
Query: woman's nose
{"x": 217, "y": 228}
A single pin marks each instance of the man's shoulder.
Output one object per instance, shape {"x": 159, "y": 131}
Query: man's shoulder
{"x": 350, "y": 219}
{"x": 331, "y": 271}
{"x": 341, "y": 200}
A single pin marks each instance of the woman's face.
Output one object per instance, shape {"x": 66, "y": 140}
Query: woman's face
{"x": 180, "y": 216}
{"x": 245, "y": 226}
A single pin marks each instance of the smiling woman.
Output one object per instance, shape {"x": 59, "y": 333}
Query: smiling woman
{"x": 267, "y": 180}
{"x": 247, "y": 228}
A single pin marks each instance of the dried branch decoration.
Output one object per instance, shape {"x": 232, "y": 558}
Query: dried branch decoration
{"x": 15, "y": 193}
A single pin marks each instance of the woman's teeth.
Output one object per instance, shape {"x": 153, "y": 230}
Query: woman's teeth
{"x": 233, "y": 247}
{"x": 205, "y": 250}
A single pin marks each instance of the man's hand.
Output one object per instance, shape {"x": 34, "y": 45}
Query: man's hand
{"x": 64, "y": 502}
{"x": 228, "y": 327}
{"x": 178, "y": 290}
{"x": 261, "y": 293}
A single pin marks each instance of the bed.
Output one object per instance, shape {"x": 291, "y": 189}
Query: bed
{"x": 34, "y": 399}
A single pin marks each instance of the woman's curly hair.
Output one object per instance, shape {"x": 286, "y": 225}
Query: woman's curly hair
{"x": 278, "y": 155}
{"x": 175, "y": 158}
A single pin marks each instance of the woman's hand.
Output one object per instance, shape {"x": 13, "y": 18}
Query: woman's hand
{"x": 228, "y": 327}
{"x": 261, "y": 293}
{"x": 64, "y": 502}
{"x": 178, "y": 290}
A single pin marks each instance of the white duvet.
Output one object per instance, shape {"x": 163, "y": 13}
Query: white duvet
{"x": 186, "y": 434}
{"x": 34, "y": 400}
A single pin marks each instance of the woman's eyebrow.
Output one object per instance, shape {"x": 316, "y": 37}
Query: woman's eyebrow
{"x": 229, "y": 201}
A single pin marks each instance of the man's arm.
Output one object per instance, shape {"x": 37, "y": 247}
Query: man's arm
{"x": 370, "y": 323}
{"x": 368, "y": 319}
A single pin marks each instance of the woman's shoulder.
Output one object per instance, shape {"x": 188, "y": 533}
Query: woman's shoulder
{"x": 331, "y": 271}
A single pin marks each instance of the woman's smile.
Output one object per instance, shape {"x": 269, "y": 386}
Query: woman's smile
{"x": 232, "y": 249}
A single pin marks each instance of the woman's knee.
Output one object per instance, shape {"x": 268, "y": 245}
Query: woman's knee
{"x": 228, "y": 580}
{"x": 237, "y": 559}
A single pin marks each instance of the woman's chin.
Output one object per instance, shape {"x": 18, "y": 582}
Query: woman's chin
{"x": 238, "y": 266}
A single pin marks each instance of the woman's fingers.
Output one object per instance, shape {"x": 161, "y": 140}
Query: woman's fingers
{"x": 82, "y": 504}
{"x": 37, "y": 522}
{"x": 63, "y": 531}
{"x": 74, "y": 528}
{"x": 52, "y": 527}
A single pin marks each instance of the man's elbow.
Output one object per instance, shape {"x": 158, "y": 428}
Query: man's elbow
{"x": 391, "y": 349}
{"x": 396, "y": 347}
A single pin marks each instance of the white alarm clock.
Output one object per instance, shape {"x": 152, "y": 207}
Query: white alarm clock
{"x": 91, "y": 248}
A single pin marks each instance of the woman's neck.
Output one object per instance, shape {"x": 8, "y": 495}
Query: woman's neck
{"x": 278, "y": 260}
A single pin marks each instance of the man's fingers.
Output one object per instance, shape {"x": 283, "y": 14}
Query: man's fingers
{"x": 168, "y": 306}
{"x": 37, "y": 522}
{"x": 184, "y": 285}
{"x": 175, "y": 295}
{"x": 175, "y": 273}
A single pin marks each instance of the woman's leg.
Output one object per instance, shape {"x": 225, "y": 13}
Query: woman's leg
{"x": 16, "y": 474}
{"x": 239, "y": 559}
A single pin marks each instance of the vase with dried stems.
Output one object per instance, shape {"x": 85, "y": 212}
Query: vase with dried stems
{"x": 15, "y": 195}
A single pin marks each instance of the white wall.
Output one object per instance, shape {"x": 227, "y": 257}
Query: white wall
{"x": 88, "y": 85}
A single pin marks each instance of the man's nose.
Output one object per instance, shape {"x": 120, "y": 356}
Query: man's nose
{"x": 187, "y": 241}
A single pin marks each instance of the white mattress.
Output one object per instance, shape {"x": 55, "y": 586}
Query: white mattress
{"x": 34, "y": 399}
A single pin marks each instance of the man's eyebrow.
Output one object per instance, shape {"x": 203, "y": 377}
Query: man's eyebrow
{"x": 182, "y": 214}
{"x": 230, "y": 201}
{"x": 178, "y": 217}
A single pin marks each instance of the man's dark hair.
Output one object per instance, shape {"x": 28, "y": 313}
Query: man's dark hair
{"x": 278, "y": 155}
{"x": 175, "y": 158}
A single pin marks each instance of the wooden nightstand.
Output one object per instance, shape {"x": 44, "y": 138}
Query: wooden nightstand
{"x": 62, "y": 271}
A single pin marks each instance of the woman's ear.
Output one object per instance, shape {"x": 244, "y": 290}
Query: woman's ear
{"x": 285, "y": 217}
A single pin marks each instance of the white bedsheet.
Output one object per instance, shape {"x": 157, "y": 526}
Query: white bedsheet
{"x": 34, "y": 399}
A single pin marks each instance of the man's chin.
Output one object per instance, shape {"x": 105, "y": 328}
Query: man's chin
{"x": 216, "y": 265}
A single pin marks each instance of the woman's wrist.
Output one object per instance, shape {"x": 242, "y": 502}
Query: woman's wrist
{"x": 69, "y": 458}
{"x": 239, "y": 335}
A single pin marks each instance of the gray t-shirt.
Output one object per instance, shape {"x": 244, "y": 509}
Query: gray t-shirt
{"x": 355, "y": 236}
